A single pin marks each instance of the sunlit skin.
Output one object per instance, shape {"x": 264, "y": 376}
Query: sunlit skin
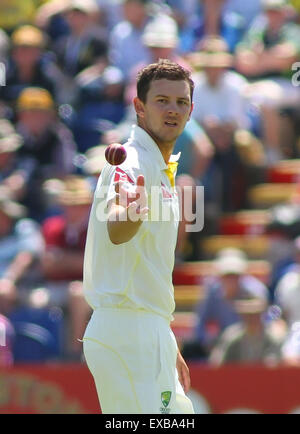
{"x": 36, "y": 121}
{"x": 135, "y": 12}
{"x": 164, "y": 114}
{"x": 26, "y": 56}
{"x": 231, "y": 285}
{"x": 78, "y": 21}
{"x": 214, "y": 75}
{"x": 276, "y": 19}
{"x": 6, "y": 224}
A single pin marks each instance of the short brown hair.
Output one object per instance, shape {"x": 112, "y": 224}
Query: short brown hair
{"x": 164, "y": 68}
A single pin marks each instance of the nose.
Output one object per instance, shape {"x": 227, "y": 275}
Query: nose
{"x": 172, "y": 108}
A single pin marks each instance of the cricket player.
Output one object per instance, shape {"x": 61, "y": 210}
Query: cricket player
{"x": 128, "y": 344}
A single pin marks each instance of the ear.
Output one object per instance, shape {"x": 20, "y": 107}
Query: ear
{"x": 192, "y": 108}
{"x": 139, "y": 107}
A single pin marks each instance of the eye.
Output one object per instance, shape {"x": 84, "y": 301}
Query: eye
{"x": 182, "y": 102}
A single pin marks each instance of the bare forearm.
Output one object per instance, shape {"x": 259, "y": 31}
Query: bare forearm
{"x": 19, "y": 266}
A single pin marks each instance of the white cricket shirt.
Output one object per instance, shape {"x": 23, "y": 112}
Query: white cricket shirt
{"x": 136, "y": 274}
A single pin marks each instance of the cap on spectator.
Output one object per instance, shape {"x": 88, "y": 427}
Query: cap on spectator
{"x": 28, "y": 35}
{"x": 95, "y": 160}
{"x": 35, "y": 98}
{"x": 250, "y": 306}
{"x": 161, "y": 31}
{"x": 9, "y": 207}
{"x": 213, "y": 52}
{"x": 274, "y": 4}
{"x": 73, "y": 190}
{"x": 85, "y": 6}
{"x": 10, "y": 141}
{"x": 231, "y": 261}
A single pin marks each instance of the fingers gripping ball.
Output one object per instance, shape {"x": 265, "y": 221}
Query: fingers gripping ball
{"x": 115, "y": 154}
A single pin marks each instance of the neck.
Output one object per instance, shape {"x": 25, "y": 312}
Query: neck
{"x": 166, "y": 152}
{"x": 26, "y": 72}
{"x": 166, "y": 148}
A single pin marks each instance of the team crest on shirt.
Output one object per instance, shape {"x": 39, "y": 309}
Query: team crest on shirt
{"x": 165, "y": 192}
{"x": 120, "y": 175}
{"x": 165, "y": 399}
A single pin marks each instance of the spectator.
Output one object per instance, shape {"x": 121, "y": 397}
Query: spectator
{"x": 197, "y": 153}
{"x": 250, "y": 341}
{"x": 27, "y": 64}
{"x": 83, "y": 45}
{"x": 12, "y": 169}
{"x": 287, "y": 291}
{"x": 126, "y": 48}
{"x": 229, "y": 18}
{"x": 265, "y": 56}
{"x": 50, "y": 18}
{"x": 189, "y": 17}
{"x": 290, "y": 350}
{"x": 215, "y": 86}
{"x": 161, "y": 39}
{"x": 217, "y": 311}
{"x": 62, "y": 261}
{"x": 86, "y": 42}
{"x": 94, "y": 161}
{"x": 100, "y": 103}
{"x": 48, "y": 146}
{"x": 20, "y": 246}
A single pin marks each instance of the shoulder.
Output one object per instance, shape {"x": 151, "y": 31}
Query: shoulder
{"x": 253, "y": 287}
{"x": 288, "y": 283}
{"x": 138, "y": 161}
{"x": 235, "y": 80}
{"x": 121, "y": 30}
{"x": 26, "y": 226}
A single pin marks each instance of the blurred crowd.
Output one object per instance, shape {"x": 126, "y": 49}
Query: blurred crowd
{"x": 67, "y": 78}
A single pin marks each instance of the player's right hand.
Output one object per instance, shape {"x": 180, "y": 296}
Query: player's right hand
{"x": 134, "y": 198}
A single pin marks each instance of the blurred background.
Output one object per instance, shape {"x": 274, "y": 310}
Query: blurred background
{"x": 68, "y": 74}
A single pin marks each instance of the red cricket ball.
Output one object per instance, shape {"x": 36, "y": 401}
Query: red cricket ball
{"x": 115, "y": 154}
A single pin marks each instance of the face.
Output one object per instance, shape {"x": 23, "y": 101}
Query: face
{"x": 167, "y": 109}
{"x": 24, "y": 55}
{"x": 36, "y": 121}
{"x": 214, "y": 75}
{"x": 230, "y": 284}
{"x": 134, "y": 12}
{"x": 276, "y": 18}
{"x": 77, "y": 20}
{"x": 5, "y": 224}
{"x": 161, "y": 53}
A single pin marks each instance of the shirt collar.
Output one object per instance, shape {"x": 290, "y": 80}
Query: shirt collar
{"x": 139, "y": 135}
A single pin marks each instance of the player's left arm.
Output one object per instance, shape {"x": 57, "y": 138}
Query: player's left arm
{"x": 183, "y": 372}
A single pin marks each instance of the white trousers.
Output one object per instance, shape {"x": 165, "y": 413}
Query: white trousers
{"x": 132, "y": 357}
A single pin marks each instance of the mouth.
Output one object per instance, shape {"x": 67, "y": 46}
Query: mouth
{"x": 171, "y": 124}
